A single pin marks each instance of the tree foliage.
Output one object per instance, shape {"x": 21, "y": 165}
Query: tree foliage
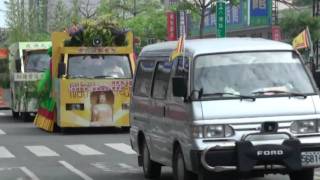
{"x": 16, "y": 21}
{"x": 146, "y": 18}
{"x": 60, "y": 20}
{"x": 302, "y": 2}
{"x": 24, "y": 23}
{"x": 87, "y": 9}
{"x": 75, "y": 11}
{"x": 147, "y": 26}
{"x": 293, "y": 22}
{"x": 125, "y": 9}
{"x": 199, "y": 8}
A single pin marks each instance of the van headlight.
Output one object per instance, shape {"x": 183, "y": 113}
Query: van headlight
{"x": 213, "y": 131}
{"x": 305, "y": 127}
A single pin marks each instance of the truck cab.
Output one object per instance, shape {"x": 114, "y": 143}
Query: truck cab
{"x": 27, "y": 62}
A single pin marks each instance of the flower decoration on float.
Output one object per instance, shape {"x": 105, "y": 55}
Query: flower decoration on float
{"x": 96, "y": 33}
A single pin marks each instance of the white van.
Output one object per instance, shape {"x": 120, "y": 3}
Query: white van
{"x": 240, "y": 106}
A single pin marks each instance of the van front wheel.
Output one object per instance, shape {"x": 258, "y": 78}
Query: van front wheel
{"x": 305, "y": 174}
{"x": 151, "y": 169}
{"x": 179, "y": 168}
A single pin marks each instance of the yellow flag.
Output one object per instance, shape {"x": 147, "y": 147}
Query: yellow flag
{"x": 301, "y": 41}
{"x": 179, "y": 49}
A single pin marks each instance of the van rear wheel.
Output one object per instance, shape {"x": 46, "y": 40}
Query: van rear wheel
{"x": 151, "y": 169}
{"x": 305, "y": 174}
{"x": 179, "y": 168}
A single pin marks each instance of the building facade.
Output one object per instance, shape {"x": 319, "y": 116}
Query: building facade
{"x": 250, "y": 18}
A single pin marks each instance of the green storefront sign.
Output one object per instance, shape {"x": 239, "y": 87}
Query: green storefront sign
{"x": 221, "y": 19}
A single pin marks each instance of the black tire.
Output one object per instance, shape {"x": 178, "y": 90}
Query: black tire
{"x": 151, "y": 169}
{"x": 179, "y": 168}
{"x": 15, "y": 115}
{"x": 305, "y": 174}
{"x": 25, "y": 117}
{"x": 125, "y": 129}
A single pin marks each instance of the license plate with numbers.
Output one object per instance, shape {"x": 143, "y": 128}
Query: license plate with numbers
{"x": 311, "y": 158}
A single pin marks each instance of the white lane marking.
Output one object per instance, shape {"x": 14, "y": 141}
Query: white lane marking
{"x": 102, "y": 166}
{"x": 4, "y": 153}
{"x": 29, "y": 173}
{"x": 115, "y": 168}
{"x": 42, "y": 151}
{"x": 126, "y": 166}
{"x": 2, "y": 132}
{"x": 76, "y": 171}
{"x": 121, "y": 147}
{"x": 84, "y": 149}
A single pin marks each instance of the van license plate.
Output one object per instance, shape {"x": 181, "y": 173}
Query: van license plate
{"x": 311, "y": 158}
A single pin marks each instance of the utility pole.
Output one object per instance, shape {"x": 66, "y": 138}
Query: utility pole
{"x": 316, "y": 12}
{"x": 134, "y": 7}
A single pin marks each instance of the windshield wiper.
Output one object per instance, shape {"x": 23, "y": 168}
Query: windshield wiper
{"x": 81, "y": 76}
{"x": 290, "y": 94}
{"x": 103, "y": 76}
{"x": 231, "y": 94}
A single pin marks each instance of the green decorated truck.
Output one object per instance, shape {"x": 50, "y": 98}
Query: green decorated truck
{"x": 27, "y": 62}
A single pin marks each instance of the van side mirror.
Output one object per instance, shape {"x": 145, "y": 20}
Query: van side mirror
{"x": 179, "y": 86}
{"x": 18, "y": 65}
{"x": 61, "y": 69}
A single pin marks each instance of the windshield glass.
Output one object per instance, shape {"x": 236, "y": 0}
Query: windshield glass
{"x": 251, "y": 73}
{"x": 37, "y": 61}
{"x": 99, "y": 66}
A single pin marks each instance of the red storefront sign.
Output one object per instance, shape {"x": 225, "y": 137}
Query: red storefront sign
{"x": 276, "y": 33}
{"x": 4, "y": 53}
{"x": 171, "y": 26}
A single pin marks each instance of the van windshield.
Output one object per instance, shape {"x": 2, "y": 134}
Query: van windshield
{"x": 251, "y": 74}
{"x": 99, "y": 66}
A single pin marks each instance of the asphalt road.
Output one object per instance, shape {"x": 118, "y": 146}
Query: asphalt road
{"x": 28, "y": 153}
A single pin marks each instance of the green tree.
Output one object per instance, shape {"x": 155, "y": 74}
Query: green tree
{"x": 125, "y": 9}
{"x": 61, "y": 18}
{"x": 87, "y": 9}
{"x": 302, "y": 2}
{"x": 146, "y": 18}
{"x": 25, "y": 24}
{"x": 75, "y": 11}
{"x": 293, "y": 22}
{"x": 149, "y": 25}
{"x": 199, "y": 7}
{"x": 15, "y": 20}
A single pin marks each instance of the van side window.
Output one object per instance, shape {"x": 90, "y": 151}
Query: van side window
{"x": 161, "y": 80}
{"x": 143, "y": 80}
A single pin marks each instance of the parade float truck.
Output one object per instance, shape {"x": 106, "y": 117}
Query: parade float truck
{"x": 27, "y": 62}
{"x": 4, "y": 79}
{"x": 91, "y": 82}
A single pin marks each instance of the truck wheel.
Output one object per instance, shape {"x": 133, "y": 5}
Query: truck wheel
{"x": 151, "y": 169}
{"x": 179, "y": 168}
{"x": 305, "y": 174}
{"x": 25, "y": 117}
{"x": 15, "y": 115}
